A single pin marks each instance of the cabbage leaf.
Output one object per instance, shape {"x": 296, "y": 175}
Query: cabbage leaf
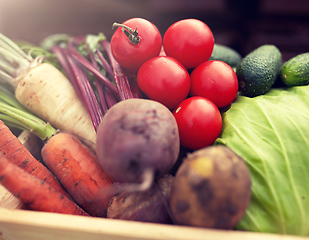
{"x": 271, "y": 133}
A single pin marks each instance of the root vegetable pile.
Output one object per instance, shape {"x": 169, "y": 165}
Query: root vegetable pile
{"x": 144, "y": 123}
{"x": 76, "y": 166}
{"x": 44, "y": 90}
{"x": 33, "y": 192}
{"x": 18, "y": 154}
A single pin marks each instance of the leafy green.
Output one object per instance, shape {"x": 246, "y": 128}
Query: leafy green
{"x": 15, "y": 115}
{"x": 93, "y": 41}
{"x": 53, "y": 40}
{"x": 36, "y": 51}
{"x": 271, "y": 133}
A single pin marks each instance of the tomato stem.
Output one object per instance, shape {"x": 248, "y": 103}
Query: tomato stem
{"x": 131, "y": 34}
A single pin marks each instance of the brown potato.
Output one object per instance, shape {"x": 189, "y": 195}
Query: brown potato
{"x": 211, "y": 189}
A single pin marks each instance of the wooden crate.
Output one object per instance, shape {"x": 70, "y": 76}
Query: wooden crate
{"x": 30, "y": 225}
{"x": 19, "y": 224}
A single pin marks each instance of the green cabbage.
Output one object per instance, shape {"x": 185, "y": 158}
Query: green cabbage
{"x": 271, "y": 133}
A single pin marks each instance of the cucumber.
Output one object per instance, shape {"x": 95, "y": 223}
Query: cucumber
{"x": 225, "y": 54}
{"x": 295, "y": 72}
{"x": 258, "y": 70}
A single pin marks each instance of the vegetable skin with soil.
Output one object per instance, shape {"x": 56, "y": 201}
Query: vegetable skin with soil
{"x": 147, "y": 206}
{"x": 211, "y": 189}
{"x": 137, "y": 140}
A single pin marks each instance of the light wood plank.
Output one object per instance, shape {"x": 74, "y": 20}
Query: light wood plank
{"x": 8, "y": 200}
{"x": 30, "y": 225}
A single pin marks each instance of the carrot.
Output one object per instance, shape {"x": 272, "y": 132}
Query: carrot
{"x": 45, "y": 91}
{"x": 72, "y": 162}
{"x": 18, "y": 154}
{"x": 76, "y": 167}
{"x": 33, "y": 192}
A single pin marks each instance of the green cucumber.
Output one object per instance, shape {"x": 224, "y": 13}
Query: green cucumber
{"x": 225, "y": 54}
{"x": 295, "y": 72}
{"x": 258, "y": 70}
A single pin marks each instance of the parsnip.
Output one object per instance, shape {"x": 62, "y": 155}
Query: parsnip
{"x": 45, "y": 91}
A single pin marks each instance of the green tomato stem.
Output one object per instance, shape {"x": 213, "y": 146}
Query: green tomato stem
{"x": 131, "y": 34}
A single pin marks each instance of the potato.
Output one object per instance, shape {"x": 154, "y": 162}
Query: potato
{"x": 137, "y": 137}
{"x": 211, "y": 189}
{"x": 146, "y": 206}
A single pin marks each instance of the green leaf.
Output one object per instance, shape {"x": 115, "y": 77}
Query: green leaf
{"x": 53, "y": 40}
{"x": 36, "y": 51}
{"x": 271, "y": 133}
{"x": 94, "y": 40}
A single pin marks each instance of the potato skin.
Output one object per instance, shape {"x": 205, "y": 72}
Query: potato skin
{"x": 136, "y": 134}
{"x": 212, "y": 189}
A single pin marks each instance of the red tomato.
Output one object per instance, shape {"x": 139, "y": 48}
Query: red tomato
{"x": 190, "y": 41}
{"x": 215, "y": 80}
{"x": 199, "y": 122}
{"x": 165, "y": 80}
{"x": 146, "y": 44}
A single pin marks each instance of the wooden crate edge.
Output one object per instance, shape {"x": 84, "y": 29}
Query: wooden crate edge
{"x": 23, "y": 224}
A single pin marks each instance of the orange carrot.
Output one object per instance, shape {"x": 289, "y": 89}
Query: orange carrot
{"x": 77, "y": 169}
{"x": 18, "y": 154}
{"x": 33, "y": 192}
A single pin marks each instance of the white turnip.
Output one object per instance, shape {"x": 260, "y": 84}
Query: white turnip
{"x": 137, "y": 140}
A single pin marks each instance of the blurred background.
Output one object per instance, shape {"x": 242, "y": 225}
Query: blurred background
{"x": 240, "y": 24}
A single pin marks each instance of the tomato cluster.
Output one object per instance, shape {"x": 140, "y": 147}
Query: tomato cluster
{"x": 176, "y": 71}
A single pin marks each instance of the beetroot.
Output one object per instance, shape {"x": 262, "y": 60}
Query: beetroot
{"x": 147, "y": 206}
{"x": 137, "y": 140}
